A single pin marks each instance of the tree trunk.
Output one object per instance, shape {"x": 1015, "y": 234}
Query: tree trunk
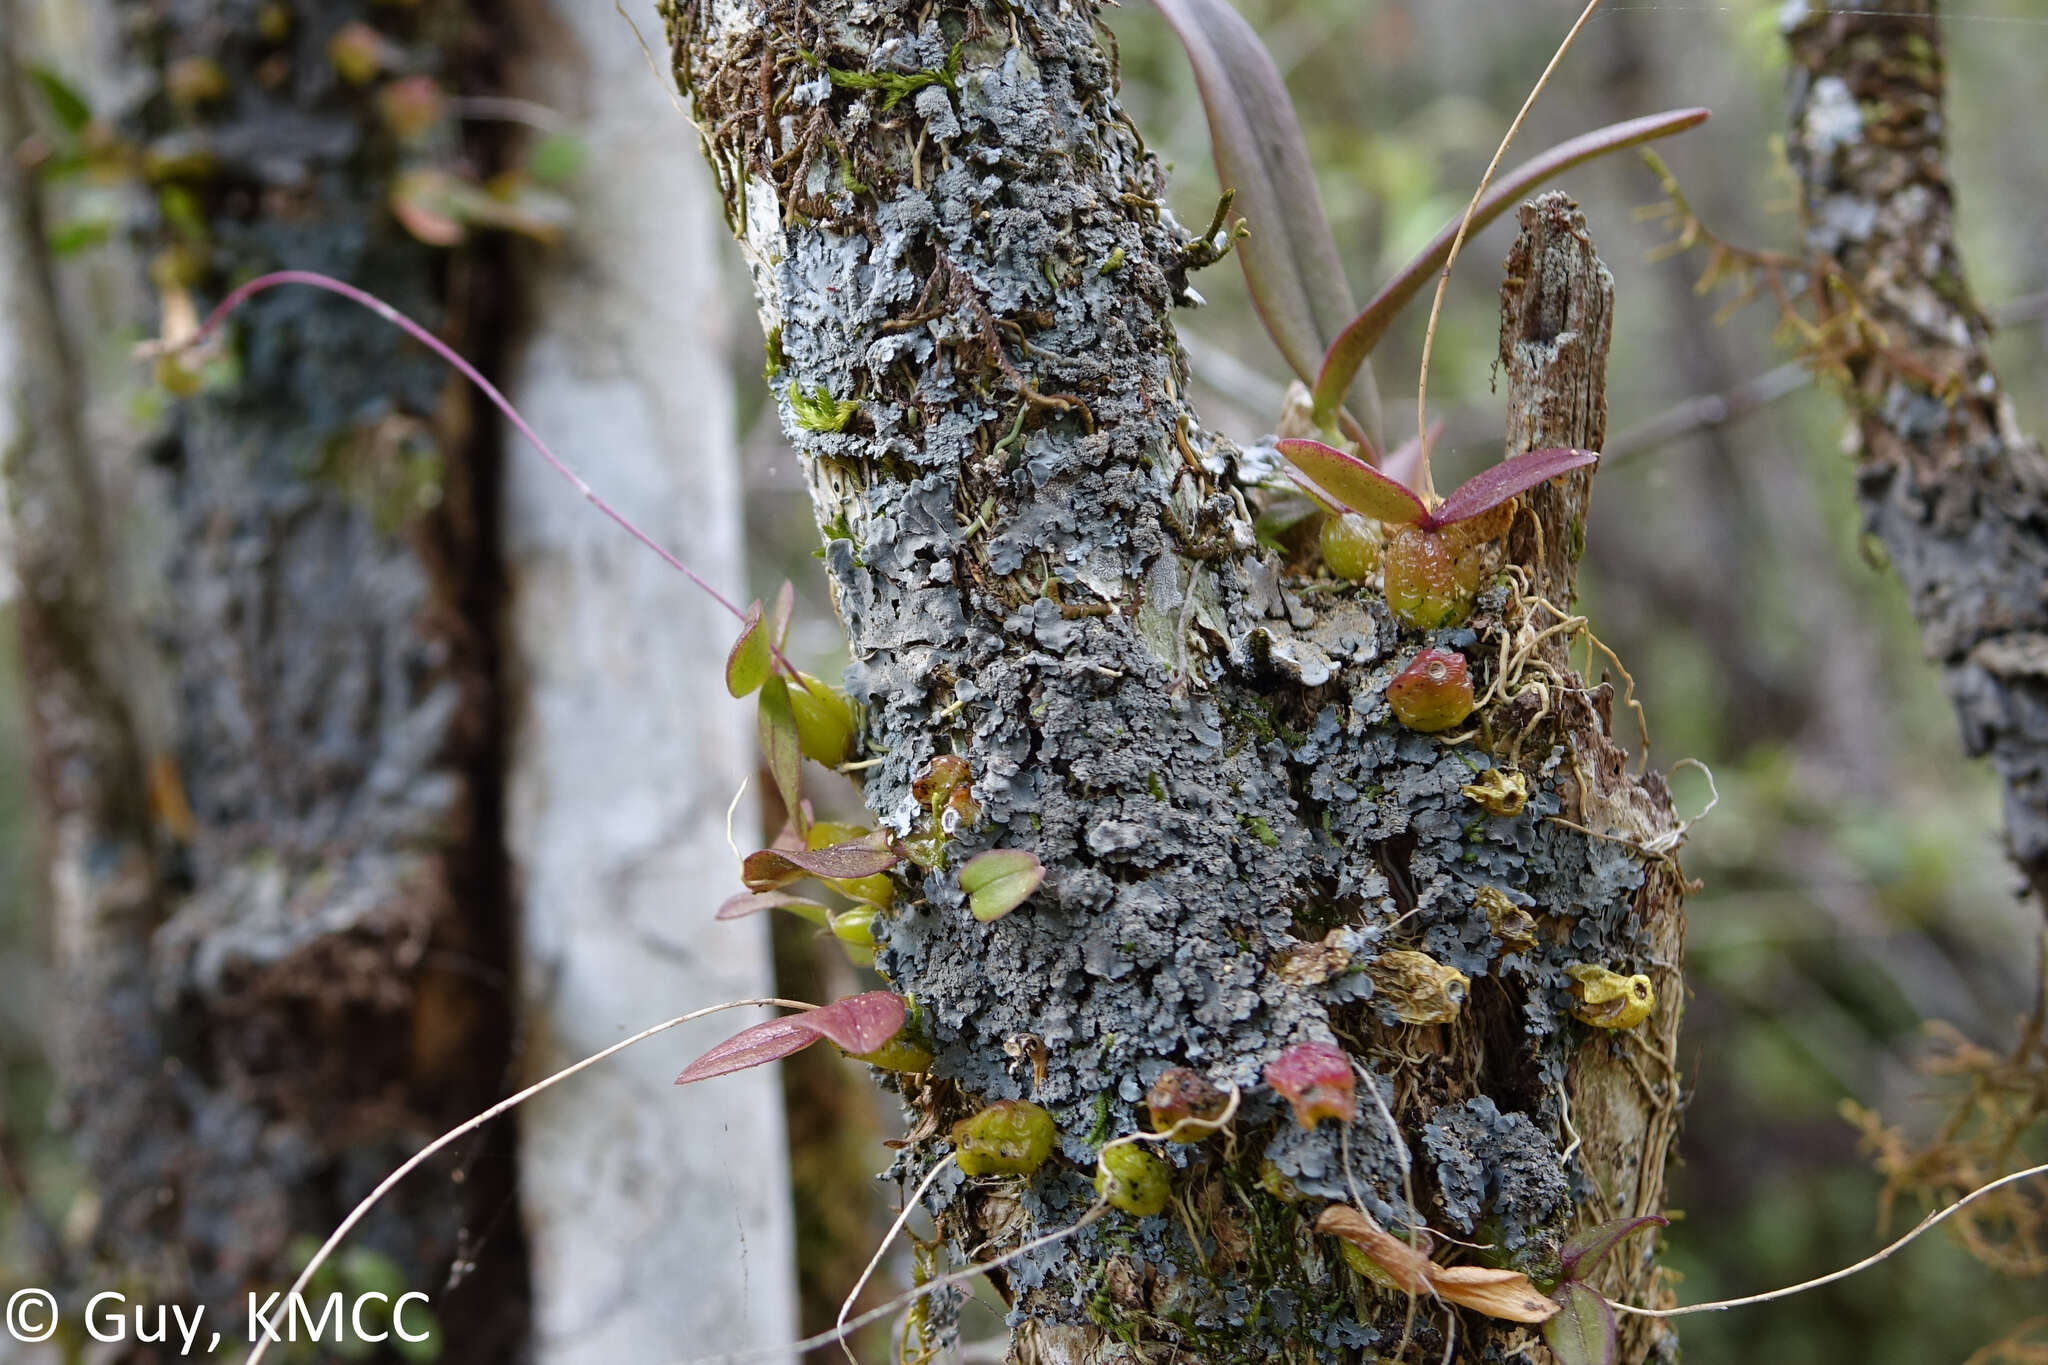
{"x": 1047, "y": 566}
{"x": 1949, "y": 485}
{"x": 257, "y": 635}
{"x": 625, "y": 751}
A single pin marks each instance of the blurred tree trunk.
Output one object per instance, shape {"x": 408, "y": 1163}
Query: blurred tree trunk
{"x": 625, "y": 749}
{"x": 1955, "y": 493}
{"x": 259, "y": 643}
{"x": 1048, "y": 567}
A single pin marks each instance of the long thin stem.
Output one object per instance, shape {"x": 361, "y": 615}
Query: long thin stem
{"x": 241, "y": 294}
{"x": 1925, "y": 1224}
{"x": 357, "y": 1214}
{"x": 1443, "y": 281}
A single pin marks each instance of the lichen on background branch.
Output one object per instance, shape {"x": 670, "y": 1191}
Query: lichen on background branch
{"x": 1949, "y": 485}
{"x": 1048, "y": 568}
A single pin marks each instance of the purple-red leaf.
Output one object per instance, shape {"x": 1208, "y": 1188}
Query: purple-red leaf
{"x": 858, "y": 1024}
{"x": 757, "y": 1046}
{"x": 1491, "y": 487}
{"x": 1584, "y": 1249}
{"x": 777, "y": 867}
{"x": 785, "y": 610}
{"x": 1582, "y": 1330}
{"x": 1354, "y": 483}
{"x": 1347, "y": 354}
{"x": 754, "y": 902}
{"x": 750, "y": 661}
{"x": 1290, "y": 259}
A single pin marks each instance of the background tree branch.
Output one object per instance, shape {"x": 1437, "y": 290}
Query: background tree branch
{"x": 1954, "y": 491}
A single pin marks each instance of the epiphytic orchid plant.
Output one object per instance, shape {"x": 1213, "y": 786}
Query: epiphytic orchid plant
{"x": 1432, "y": 554}
{"x": 1288, "y": 252}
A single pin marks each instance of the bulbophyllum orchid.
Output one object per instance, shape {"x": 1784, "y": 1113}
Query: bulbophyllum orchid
{"x": 1430, "y": 565}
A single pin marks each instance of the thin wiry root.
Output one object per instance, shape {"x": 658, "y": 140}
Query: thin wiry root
{"x": 1924, "y": 1226}
{"x": 904, "y": 1300}
{"x": 895, "y": 1228}
{"x": 1520, "y": 668}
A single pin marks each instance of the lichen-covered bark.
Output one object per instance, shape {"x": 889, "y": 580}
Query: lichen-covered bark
{"x": 1954, "y": 491}
{"x": 1046, "y": 565}
{"x": 302, "y": 976}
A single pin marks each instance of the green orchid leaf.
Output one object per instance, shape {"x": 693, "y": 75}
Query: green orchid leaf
{"x": 999, "y": 881}
{"x": 751, "y": 660}
{"x": 1290, "y": 257}
{"x": 1582, "y": 1330}
{"x": 782, "y": 748}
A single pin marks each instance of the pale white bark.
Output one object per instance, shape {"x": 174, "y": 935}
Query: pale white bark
{"x": 659, "y": 1219}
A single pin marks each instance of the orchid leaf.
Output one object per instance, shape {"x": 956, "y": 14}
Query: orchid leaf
{"x": 857, "y": 1024}
{"x": 1290, "y": 258}
{"x": 1586, "y": 1248}
{"x": 1582, "y": 1332}
{"x": 763, "y": 1043}
{"x": 1354, "y": 483}
{"x": 785, "y": 611}
{"x": 782, "y": 748}
{"x": 1494, "y": 485}
{"x": 999, "y": 881}
{"x": 860, "y": 1024}
{"x": 750, "y": 661}
{"x": 754, "y": 902}
{"x": 773, "y": 868}
{"x": 1347, "y": 354}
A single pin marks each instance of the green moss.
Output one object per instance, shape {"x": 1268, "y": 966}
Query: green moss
{"x": 894, "y": 86}
{"x": 1261, "y": 829}
{"x": 819, "y": 410}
